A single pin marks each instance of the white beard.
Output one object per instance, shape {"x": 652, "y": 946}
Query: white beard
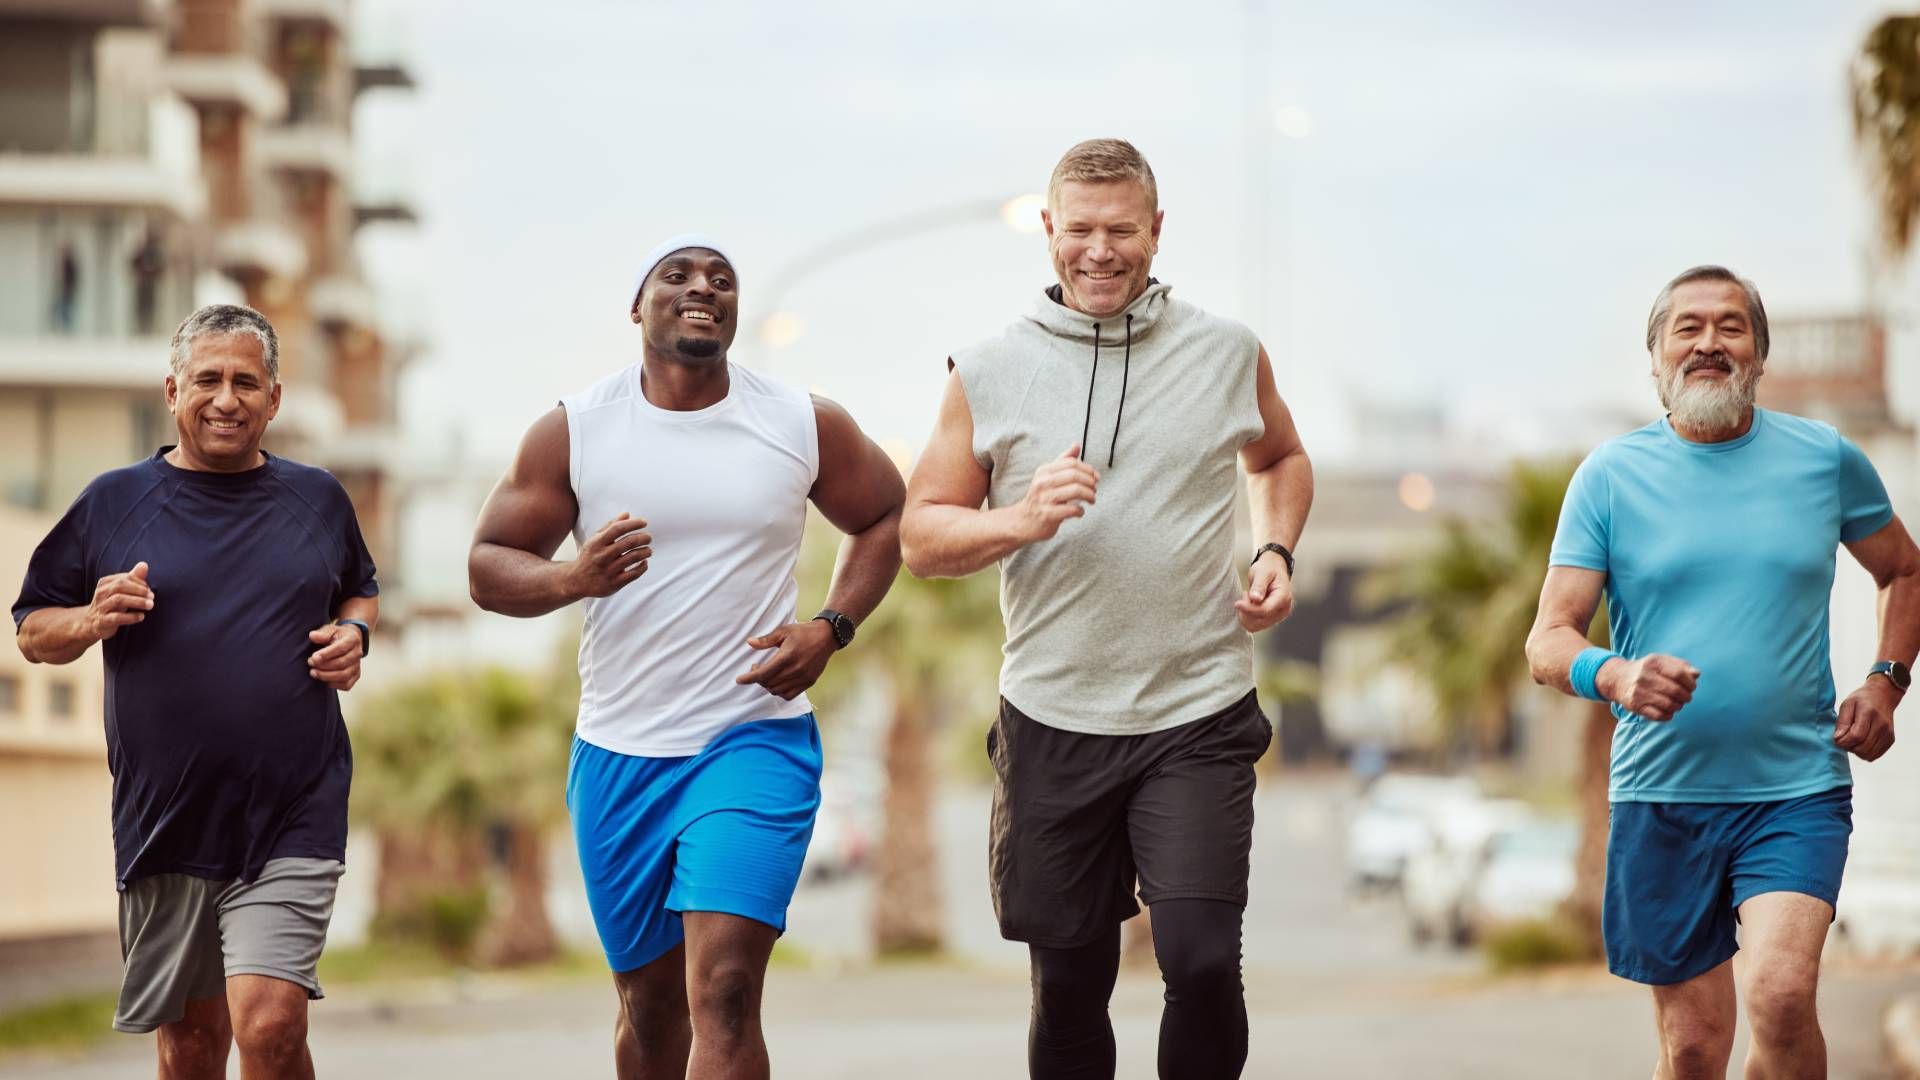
{"x": 1710, "y": 408}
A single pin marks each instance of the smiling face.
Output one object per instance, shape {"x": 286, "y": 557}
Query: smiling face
{"x": 1103, "y": 236}
{"x": 689, "y": 305}
{"x": 222, "y": 400}
{"x": 1707, "y": 359}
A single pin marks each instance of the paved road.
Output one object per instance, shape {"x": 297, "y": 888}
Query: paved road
{"x": 1334, "y": 990}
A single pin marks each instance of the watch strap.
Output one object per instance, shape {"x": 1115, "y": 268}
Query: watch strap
{"x": 1895, "y": 672}
{"x": 841, "y": 626}
{"x": 1284, "y": 554}
{"x": 366, "y": 633}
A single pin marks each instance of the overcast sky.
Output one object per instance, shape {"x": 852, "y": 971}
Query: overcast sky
{"x": 1486, "y": 198}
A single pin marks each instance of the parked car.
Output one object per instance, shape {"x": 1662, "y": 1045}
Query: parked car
{"x": 1528, "y": 873}
{"x": 1394, "y": 821}
{"x": 1439, "y": 875}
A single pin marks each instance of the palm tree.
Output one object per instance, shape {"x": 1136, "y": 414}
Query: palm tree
{"x": 935, "y": 646}
{"x": 1469, "y": 606}
{"x": 458, "y": 771}
{"x": 1886, "y": 123}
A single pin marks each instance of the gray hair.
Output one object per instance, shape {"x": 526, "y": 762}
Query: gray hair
{"x": 226, "y": 319}
{"x": 1663, "y": 305}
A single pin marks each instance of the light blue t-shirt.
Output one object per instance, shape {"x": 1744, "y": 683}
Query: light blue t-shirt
{"x": 1722, "y": 554}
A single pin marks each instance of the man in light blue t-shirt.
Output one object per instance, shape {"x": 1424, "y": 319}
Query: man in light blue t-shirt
{"x": 1713, "y": 532}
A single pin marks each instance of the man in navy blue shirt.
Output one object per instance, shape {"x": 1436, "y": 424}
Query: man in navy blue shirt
{"x": 233, "y": 598}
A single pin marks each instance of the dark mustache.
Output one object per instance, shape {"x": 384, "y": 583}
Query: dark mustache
{"x": 1698, "y": 362}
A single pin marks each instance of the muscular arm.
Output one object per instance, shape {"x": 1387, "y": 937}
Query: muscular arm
{"x": 1279, "y": 476}
{"x": 511, "y": 569}
{"x": 946, "y": 532}
{"x": 860, "y": 492}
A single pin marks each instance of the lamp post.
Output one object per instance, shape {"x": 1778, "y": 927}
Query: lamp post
{"x": 780, "y": 327}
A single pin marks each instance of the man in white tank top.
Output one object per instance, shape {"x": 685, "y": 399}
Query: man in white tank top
{"x": 684, "y": 480}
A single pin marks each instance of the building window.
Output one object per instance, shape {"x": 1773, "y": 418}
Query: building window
{"x": 60, "y": 700}
{"x": 9, "y": 697}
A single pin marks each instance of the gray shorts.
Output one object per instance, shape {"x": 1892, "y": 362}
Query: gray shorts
{"x": 182, "y": 936}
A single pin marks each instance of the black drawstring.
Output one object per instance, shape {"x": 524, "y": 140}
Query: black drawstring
{"x": 1125, "y": 367}
{"x": 1086, "y": 426}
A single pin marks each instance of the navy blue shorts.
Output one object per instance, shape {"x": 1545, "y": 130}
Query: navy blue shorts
{"x": 724, "y": 830}
{"x": 1677, "y": 874}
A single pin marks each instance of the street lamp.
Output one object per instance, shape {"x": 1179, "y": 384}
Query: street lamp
{"x": 779, "y": 328}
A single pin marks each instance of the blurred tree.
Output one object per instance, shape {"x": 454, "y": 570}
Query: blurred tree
{"x": 460, "y": 772}
{"x": 1886, "y": 123}
{"x": 935, "y": 646}
{"x": 1470, "y": 604}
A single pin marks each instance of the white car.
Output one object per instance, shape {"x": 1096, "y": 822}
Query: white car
{"x": 1528, "y": 874}
{"x": 1395, "y": 820}
{"x": 1438, "y": 876}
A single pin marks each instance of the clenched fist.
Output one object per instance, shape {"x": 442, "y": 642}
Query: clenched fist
{"x": 119, "y": 600}
{"x": 1653, "y": 686}
{"x": 612, "y": 558}
{"x": 1062, "y": 488}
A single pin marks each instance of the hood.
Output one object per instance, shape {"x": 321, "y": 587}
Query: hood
{"x": 1058, "y": 320}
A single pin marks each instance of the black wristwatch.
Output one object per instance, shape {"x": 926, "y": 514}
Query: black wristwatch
{"x": 366, "y": 633}
{"x": 841, "y": 625}
{"x": 1284, "y": 554}
{"x": 1896, "y": 673}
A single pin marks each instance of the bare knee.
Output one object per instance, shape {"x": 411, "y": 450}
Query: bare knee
{"x": 195, "y": 1046}
{"x": 1697, "y": 1049}
{"x": 1781, "y": 1005}
{"x": 725, "y": 999}
{"x": 272, "y": 1030}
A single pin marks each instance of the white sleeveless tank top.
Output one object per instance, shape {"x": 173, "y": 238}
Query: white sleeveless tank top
{"x": 724, "y": 492}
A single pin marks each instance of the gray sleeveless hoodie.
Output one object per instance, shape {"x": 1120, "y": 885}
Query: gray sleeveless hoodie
{"x": 1123, "y": 623}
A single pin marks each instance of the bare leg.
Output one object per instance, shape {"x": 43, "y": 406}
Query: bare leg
{"x": 270, "y": 1027}
{"x": 726, "y": 972}
{"x": 1783, "y": 936}
{"x": 195, "y": 1046}
{"x": 652, "y": 1035}
{"x": 1696, "y": 1020}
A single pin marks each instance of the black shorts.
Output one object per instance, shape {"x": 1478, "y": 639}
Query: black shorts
{"x": 1078, "y": 818}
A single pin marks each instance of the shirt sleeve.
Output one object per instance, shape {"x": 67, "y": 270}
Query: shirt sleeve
{"x": 357, "y": 575}
{"x": 57, "y": 574}
{"x": 1865, "y": 508}
{"x": 1581, "y": 540}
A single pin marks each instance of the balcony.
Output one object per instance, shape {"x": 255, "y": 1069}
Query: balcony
{"x": 103, "y": 363}
{"x": 382, "y": 76}
{"x": 343, "y": 301}
{"x": 308, "y": 148}
{"x": 254, "y": 249}
{"x": 228, "y": 79}
{"x": 92, "y": 12}
{"x": 101, "y": 182}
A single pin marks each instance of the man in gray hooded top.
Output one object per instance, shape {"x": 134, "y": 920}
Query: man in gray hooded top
{"x": 1100, "y": 432}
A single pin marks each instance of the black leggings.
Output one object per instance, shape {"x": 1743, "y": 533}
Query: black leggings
{"x": 1203, "y": 1032}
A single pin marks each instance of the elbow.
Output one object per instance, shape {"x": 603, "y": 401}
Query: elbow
{"x": 1536, "y": 662}
{"x": 25, "y": 645}
{"x": 476, "y": 583}
{"x": 914, "y": 554}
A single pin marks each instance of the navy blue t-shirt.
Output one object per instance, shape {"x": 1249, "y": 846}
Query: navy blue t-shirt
{"x": 225, "y": 752}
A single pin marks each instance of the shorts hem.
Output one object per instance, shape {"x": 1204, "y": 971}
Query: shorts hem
{"x": 1038, "y": 942}
{"x": 1239, "y": 898}
{"x": 1667, "y": 978}
{"x": 635, "y": 959}
{"x": 1819, "y": 890}
{"x": 746, "y": 905}
{"x": 142, "y": 1027}
{"x": 305, "y": 982}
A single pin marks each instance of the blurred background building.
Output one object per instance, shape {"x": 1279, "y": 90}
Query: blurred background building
{"x": 156, "y": 155}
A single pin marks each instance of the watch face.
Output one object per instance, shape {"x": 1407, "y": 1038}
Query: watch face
{"x": 1899, "y": 673}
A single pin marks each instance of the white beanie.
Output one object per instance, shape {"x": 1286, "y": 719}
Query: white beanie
{"x": 667, "y": 247}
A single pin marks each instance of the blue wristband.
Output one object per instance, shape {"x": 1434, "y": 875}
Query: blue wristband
{"x": 1585, "y": 667}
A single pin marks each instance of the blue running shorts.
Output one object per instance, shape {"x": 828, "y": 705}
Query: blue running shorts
{"x": 1677, "y": 874}
{"x": 724, "y": 830}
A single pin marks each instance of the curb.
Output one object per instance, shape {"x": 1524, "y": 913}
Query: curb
{"x": 1901, "y": 1028}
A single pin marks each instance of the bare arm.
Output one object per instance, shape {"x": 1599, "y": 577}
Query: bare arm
{"x": 1279, "y": 493}
{"x": 61, "y": 635}
{"x": 946, "y": 532}
{"x": 337, "y": 660}
{"x": 1655, "y": 686}
{"x": 860, "y": 492}
{"x": 511, "y": 569}
{"x": 1865, "y": 721}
